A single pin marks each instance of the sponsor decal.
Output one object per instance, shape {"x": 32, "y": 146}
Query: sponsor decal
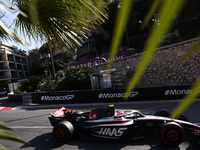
{"x": 93, "y": 115}
{"x": 111, "y": 132}
{"x": 59, "y": 112}
{"x": 196, "y": 132}
{"x": 91, "y": 62}
{"x": 118, "y": 95}
{"x": 61, "y": 98}
{"x": 104, "y": 120}
{"x": 179, "y": 92}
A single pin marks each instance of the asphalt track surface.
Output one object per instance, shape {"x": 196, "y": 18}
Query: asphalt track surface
{"x": 32, "y": 125}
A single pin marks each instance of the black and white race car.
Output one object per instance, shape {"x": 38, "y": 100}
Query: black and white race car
{"x": 126, "y": 125}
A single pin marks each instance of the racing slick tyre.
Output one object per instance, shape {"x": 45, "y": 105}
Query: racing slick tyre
{"x": 63, "y": 131}
{"x": 172, "y": 134}
{"x": 162, "y": 113}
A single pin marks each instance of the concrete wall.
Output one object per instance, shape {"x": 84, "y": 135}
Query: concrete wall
{"x": 159, "y": 71}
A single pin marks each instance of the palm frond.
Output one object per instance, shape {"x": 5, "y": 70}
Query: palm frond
{"x": 188, "y": 99}
{"x": 151, "y": 12}
{"x": 167, "y": 10}
{"x": 8, "y": 136}
{"x": 120, "y": 24}
{"x": 6, "y": 32}
{"x": 66, "y": 21}
{"x": 195, "y": 47}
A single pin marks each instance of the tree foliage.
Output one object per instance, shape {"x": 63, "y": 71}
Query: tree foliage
{"x": 31, "y": 84}
{"x": 75, "y": 79}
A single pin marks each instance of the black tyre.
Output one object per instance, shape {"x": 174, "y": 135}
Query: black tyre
{"x": 162, "y": 113}
{"x": 172, "y": 134}
{"x": 63, "y": 131}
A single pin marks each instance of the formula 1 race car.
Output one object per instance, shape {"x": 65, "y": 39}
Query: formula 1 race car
{"x": 126, "y": 125}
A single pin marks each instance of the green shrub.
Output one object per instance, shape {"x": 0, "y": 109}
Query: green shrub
{"x": 75, "y": 79}
{"x": 61, "y": 74}
{"x": 48, "y": 86}
{"x": 32, "y": 84}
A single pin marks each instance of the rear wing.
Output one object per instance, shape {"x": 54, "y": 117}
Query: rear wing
{"x": 60, "y": 112}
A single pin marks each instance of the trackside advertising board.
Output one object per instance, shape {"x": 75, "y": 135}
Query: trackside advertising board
{"x": 113, "y": 95}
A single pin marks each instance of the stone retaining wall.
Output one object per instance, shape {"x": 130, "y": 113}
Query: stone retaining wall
{"x": 159, "y": 71}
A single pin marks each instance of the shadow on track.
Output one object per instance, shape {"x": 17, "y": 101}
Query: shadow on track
{"x": 46, "y": 142}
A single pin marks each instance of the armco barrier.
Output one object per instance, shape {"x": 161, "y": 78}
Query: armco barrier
{"x": 113, "y": 95}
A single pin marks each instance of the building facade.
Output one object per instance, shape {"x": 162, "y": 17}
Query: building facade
{"x": 13, "y": 63}
{"x": 88, "y": 50}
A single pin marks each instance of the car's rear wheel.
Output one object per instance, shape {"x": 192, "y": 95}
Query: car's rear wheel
{"x": 172, "y": 134}
{"x": 63, "y": 131}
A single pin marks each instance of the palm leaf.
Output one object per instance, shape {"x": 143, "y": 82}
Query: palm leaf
{"x": 150, "y": 14}
{"x": 122, "y": 17}
{"x": 188, "y": 54}
{"x": 8, "y": 136}
{"x": 65, "y": 21}
{"x": 167, "y": 10}
{"x": 5, "y": 128}
{"x": 2, "y": 147}
{"x": 5, "y": 31}
{"x": 188, "y": 99}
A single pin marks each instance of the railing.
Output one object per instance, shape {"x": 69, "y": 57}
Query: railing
{"x": 3, "y": 68}
{"x": 2, "y": 59}
{"x": 18, "y": 61}
{"x": 20, "y": 69}
{"x": 13, "y": 68}
{"x": 3, "y": 77}
{"x": 24, "y": 62}
{"x": 10, "y": 59}
{"x": 2, "y": 49}
{"x": 14, "y": 76}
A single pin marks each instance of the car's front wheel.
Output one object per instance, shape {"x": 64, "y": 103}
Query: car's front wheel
{"x": 63, "y": 131}
{"x": 172, "y": 134}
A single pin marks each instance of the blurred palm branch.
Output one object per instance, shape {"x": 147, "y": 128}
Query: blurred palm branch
{"x": 62, "y": 23}
{"x": 167, "y": 11}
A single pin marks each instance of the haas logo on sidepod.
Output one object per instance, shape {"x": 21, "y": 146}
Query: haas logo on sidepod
{"x": 112, "y": 132}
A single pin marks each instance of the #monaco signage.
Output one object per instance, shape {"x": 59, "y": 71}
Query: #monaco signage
{"x": 113, "y": 95}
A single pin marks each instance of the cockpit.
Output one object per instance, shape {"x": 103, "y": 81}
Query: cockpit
{"x": 128, "y": 114}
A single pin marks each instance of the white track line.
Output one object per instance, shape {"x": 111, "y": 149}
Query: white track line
{"x": 30, "y": 127}
{"x": 16, "y": 108}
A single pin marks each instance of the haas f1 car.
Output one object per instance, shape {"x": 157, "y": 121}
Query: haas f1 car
{"x": 126, "y": 125}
